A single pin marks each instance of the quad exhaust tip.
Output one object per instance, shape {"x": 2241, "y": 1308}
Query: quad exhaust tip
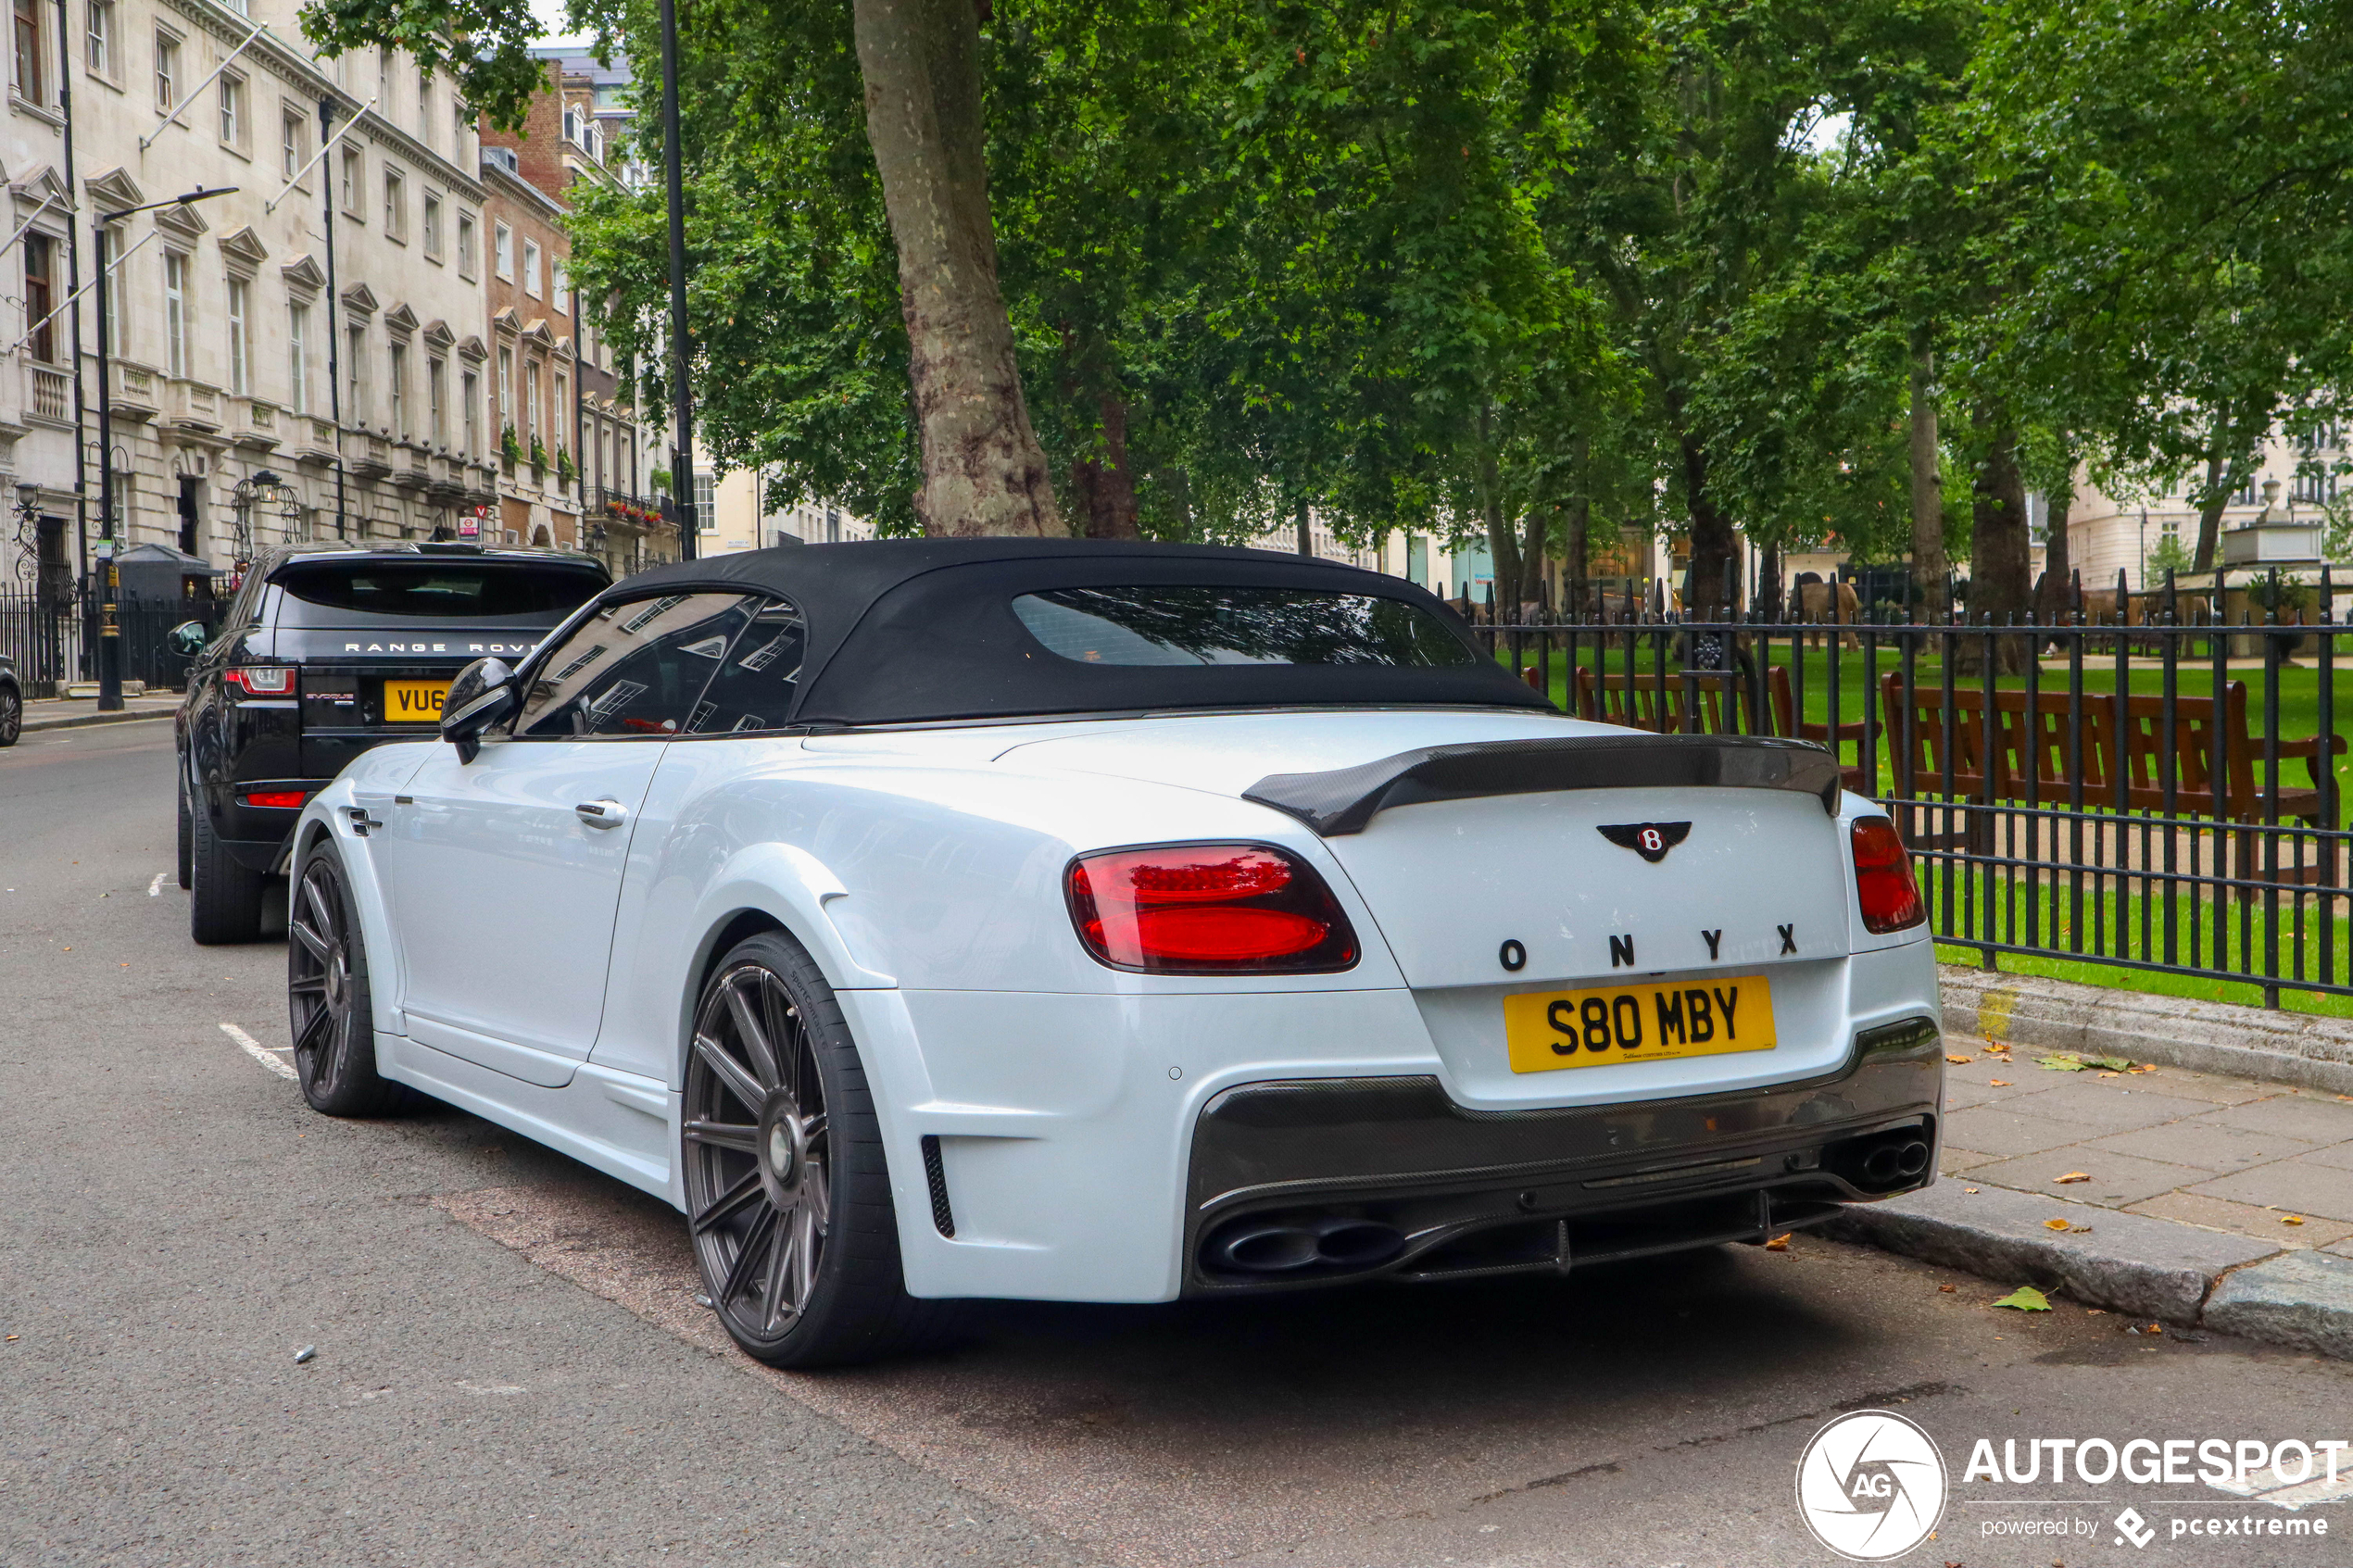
{"x": 1890, "y": 1163}
{"x": 1282, "y": 1245}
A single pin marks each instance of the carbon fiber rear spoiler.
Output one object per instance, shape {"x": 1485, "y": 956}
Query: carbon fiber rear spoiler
{"x": 1346, "y": 799}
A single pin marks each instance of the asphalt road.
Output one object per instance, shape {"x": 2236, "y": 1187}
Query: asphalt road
{"x": 510, "y": 1369}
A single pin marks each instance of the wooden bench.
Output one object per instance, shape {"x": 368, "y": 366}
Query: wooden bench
{"x": 1643, "y": 700}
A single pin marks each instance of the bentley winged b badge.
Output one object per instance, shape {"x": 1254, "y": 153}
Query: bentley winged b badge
{"x": 1650, "y": 840}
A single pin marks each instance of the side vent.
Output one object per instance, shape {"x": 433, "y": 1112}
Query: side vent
{"x": 936, "y": 1174}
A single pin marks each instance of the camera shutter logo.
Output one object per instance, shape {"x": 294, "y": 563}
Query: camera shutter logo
{"x": 1870, "y": 1486}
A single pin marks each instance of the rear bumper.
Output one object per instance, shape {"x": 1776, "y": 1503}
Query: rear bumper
{"x": 1395, "y": 1179}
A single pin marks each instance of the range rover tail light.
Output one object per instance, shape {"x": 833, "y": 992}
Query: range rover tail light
{"x": 289, "y": 798}
{"x": 1890, "y": 899}
{"x": 1208, "y": 909}
{"x": 262, "y": 680}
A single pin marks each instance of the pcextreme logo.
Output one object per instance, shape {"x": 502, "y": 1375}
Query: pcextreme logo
{"x": 1870, "y": 1486}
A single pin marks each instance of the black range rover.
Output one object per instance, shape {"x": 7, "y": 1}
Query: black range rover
{"x": 327, "y": 650}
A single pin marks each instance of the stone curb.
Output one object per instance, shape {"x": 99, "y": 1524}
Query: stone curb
{"x": 2299, "y": 1049}
{"x": 77, "y": 721}
{"x": 2133, "y": 1263}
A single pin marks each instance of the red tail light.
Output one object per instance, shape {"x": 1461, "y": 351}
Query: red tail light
{"x": 1891, "y": 898}
{"x": 261, "y": 680}
{"x": 1208, "y": 909}
{"x": 288, "y": 797}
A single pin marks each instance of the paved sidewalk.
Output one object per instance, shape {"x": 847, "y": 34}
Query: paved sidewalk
{"x": 2230, "y": 1154}
{"x": 71, "y": 712}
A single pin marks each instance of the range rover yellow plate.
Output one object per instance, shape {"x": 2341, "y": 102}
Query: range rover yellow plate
{"x": 414, "y": 702}
{"x": 1549, "y": 1030}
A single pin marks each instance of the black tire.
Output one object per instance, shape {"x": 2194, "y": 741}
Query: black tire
{"x": 11, "y": 715}
{"x": 224, "y": 898}
{"x": 328, "y": 1005}
{"x": 784, "y": 1164}
{"x": 187, "y": 838}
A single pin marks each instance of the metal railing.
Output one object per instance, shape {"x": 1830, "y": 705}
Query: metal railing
{"x": 54, "y": 637}
{"x": 2160, "y": 788}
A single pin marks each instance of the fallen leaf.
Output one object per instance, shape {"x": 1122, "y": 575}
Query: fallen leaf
{"x": 2054, "y": 1224}
{"x": 1947, "y": 1289}
{"x": 2154, "y": 1328}
{"x": 2291, "y": 1219}
{"x": 2026, "y": 1298}
{"x": 2095, "y": 1311}
{"x": 2072, "y": 1176}
{"x": 2107, "y": 1075}
{"x": 1779, "y": 1244}
{"x": 1960, "y": 1061}
{"x": 1969, "y": 1189}
{"x": 2060, "y": 1064}
{"x": 1999, "y": 1083}
{"x": 2117, "y": 1063}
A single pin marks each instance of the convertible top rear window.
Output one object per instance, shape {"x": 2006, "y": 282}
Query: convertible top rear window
{"x": 330, "y": 592}
{"x": 1169, "y": 624}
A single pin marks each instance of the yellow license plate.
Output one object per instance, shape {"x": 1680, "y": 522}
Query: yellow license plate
{"x": 414, "y": 702}
{"x": 1549, "y": 1030}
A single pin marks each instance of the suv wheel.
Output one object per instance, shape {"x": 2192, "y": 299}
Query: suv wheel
{"x": 224, "y": 898}
{"x": 187, "y": 838}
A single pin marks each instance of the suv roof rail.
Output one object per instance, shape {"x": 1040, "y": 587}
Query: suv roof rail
{"x": 448, "y": 547}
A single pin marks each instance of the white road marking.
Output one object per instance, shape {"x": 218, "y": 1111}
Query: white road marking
{"x": 256, "y": 1050}
{"x": 155, "y": 888}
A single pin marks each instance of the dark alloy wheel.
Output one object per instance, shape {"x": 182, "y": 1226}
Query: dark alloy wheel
{"x": 787, "y": 1196}
{"x": 327, "y": 998}
{"x": 11, "y": 715}
{"x": 187, "y": 862}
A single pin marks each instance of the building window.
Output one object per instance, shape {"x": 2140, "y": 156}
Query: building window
{"x": 433, "y": 226}
{"x": 240, "y": 382}
{"x": 383, "y": 81}
{"x": 424, "y": 106}
{"x": 395, "y": 205}
{"x": 39, "y": 294}
{"x": 560, "y": 289}
{"x": 232, "y": 109}
{"x": 506, "y": 390}
{"x": 166, "y": 72}
{"x": 29, "y": 79}
{"x": 706, "y": 502}
{"x": 465, "y": 244}
{"x": 112, "y": 320}
{"x": 98, "y": 45}
{"x": 399, "y": 384}
{"x": 291, "y": 127}
{"x": 350, "y": 195}
{"x": 531, "y": 401}
{"x": 436, "y": 375}
{"x": 502, "y": 251}
{"x": 457, "y": 130}
{"x": 531, "y": 267}
{"x": 355, "y": 374}
{"x": 467, "y": 395}
{"x": 175, "y": 312}
{"x": 298, "y": 356}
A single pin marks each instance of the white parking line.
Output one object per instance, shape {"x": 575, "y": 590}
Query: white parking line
{"x": 256, "y": 1050}
{"x": 155, "y": 888}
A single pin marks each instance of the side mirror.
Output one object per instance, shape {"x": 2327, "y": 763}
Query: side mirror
{"x": 187, "y": 639}
{"x": 482, "y": 693}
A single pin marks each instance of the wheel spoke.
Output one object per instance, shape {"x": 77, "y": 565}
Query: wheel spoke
{"x": 813, "y": 1129}
{"x": 754, "y": 1035}
{"x": 308, "y": 986}
{"x": 758, "y": 1240}
{"x": 727, "y": 1204}
{"x": 783, "y": 1268}
{"x": 725, "y": 1134}
{"x": 321, "y": 909}
{"x": 731, "y": 1072}
{"x": 312, "y": 943}
{"x": 319, "y": 1022}
{"x": 805, "y": 1234}
{"x": 817, "y": 1197}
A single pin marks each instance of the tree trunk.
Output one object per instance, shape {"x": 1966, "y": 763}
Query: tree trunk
{"x": 1306, "y": 532}
{"x": 1768, "y": 583}
{"x": 2001, "y": 558}
{"x": 1576, "y": 549}
{"x": 1531, "y": 563}
{"x": 1713, "y": 548}
{"x": 1103, "y": 491}
{"x": 2209, "y": 511}
{"x": 2054, "y": 601}
{"x": 1929, "y": 568}
{"x": 984, "y": 473}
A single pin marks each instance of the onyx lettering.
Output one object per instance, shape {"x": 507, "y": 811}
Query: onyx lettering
{"x": 1789, "y": 937}
{"x": 1621, "y": 952}
{"x": 1715, "y": 939}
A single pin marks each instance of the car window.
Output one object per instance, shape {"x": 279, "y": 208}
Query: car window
{"x": 634, "y": 668}
{"x": 1170, "y": 625}
{"x": 340, "y": 592}
{"x": 753, "y": 687}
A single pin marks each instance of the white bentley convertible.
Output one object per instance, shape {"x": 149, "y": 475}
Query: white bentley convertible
{"x": 1110, "y": 923}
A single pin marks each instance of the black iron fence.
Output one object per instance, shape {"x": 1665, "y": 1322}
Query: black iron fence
{"x": 2157, "y": 787}
{"x": 54, "y": 637}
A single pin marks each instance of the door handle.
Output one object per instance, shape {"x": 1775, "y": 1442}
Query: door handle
{"x": 606, "y": 813}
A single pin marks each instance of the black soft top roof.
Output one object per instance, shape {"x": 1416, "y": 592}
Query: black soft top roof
{"x": 904, "y": 631}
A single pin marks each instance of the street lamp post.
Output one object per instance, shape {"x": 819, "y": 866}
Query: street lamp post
{"x": 109, "y": 576}
{"x": 683, "y": 509}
